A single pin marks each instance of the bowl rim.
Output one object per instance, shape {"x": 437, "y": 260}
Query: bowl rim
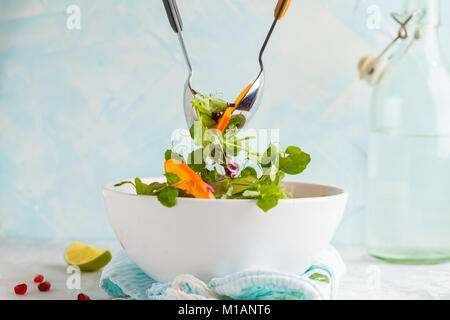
{"x": 340, "y": 193}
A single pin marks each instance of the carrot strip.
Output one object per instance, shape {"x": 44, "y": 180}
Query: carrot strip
{"x": 226, "y": 117}
{"x": 224, "y": 120}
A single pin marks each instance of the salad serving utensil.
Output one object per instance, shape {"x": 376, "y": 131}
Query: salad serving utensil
{"x": 251, "y": 96}
{"x": 177, "y": 25}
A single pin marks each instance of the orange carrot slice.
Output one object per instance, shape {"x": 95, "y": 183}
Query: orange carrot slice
{"x": 224, "y": 120}
{"x": 190, "y": 182}
{"x": 226, "y": 117}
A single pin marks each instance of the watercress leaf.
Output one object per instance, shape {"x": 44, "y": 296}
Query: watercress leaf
{"x": 169, "y": 154}
{"x": 249, "y": 172}
{"x": 139, "y": 186}
{"x": 142, "y": 188}
{"x": 269, "y": 196}
{"x": 217, "y": 104}
{"x": 244, "y": 180}
{"x": 267, "y": 202}
{"x": 156, "y": 187}
{"x": 264, "y": 180}
{"x": 295, "y": 162}
{"x": 207, "y": 120}
{"x": 241, "y": 184}
{"x": 210, "y": 176}
{"x": 221, "y": 188}
{"x": 238, "y": 188}
{"x": 294, "y": 150}
{"x": 184, "y": 194}
{"x": 168, "y": 197}
{"x": 270, "y": 189}
{"x": 172, "y": 178}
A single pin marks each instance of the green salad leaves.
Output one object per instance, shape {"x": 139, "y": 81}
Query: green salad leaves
{"x": 216, "y": 160}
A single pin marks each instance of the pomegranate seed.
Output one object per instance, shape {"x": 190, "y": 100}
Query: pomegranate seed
{"x": 216, "y": 116}
{"x": 39, "y": 278}
{"x": 44, "y": 286}
{"x": 83, "y": 296}
{"x": 20, "y": 289}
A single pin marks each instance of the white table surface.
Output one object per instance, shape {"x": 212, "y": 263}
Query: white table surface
{"x": 366, "y": 278}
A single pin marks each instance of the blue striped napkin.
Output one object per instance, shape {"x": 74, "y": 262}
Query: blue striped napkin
{"x": 122, "y": 278}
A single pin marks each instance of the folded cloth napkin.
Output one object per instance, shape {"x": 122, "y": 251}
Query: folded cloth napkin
{"x": 122, "y": 278}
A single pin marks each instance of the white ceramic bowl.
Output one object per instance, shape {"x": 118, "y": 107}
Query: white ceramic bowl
{"x": 211, "y": 238}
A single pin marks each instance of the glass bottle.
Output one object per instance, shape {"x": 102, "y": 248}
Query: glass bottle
{"x": 409, "y": 150}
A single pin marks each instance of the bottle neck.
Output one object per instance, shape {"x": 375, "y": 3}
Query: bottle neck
{"x": 430, "y": 12}
{"x": 428, "y": 22}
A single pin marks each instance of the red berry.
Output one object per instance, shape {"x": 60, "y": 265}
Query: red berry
{"x": 39, "y": 278}
{"x": 20, "y": 289}
{"x": 83, "y": 296}
{"x": 44, "y": 286}
{"x": 216, "y": 116}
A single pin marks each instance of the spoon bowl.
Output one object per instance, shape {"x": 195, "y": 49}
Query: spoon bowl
{"x": 189, "y": 111}
{"x": 252, "y": 100}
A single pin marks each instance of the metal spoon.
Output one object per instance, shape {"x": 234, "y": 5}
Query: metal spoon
{"x": 177, "y": 25}
{"x": 249, "y": 100}
{"x": 253, "y": 92}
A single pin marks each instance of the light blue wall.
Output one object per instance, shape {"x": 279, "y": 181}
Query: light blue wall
{"x": 79, "y": 108}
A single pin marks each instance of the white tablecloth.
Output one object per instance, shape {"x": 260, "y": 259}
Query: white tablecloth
{"x": 366, "y": 278}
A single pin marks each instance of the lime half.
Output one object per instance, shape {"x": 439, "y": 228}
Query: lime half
{"x": 86, "y": 257}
